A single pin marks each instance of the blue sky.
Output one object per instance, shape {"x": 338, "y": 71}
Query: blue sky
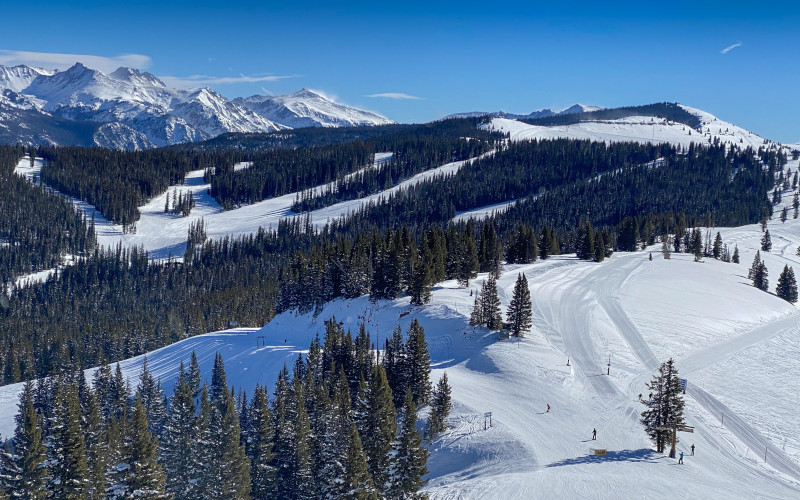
{"x": 418, "y": 61}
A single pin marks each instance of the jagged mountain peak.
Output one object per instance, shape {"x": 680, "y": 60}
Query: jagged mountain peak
{"x": 136, "y": 77}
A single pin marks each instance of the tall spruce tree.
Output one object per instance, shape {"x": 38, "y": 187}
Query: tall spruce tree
{"x": 664, "y": 404}
{"x": 67, "y": 448}
{"x": 29, "y": 457}
{"x": 356, "y": 482}
{"x": 418, "y": 364}
{"x": 260, "y": 447}
{"x": 144, "y": 477}
{"x": 787, "y": 285}
{"x": 380, "y": 429}
{"x": 440, "y": 408}
{"x": 519, "y": 310}
{"x": 180, "y": 447}
{"x": 490, "y": 304}
{"x": 410, "y": 456}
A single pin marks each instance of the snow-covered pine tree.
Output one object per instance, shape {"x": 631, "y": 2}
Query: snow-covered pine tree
{"x": 519, "y": 310}
{"x": 179, "y": 443}
{"x": 787, "y": 285}
{"x": 735, "y": 257}
{"x": 153, "y": 400}
{"x": 380, "y": 428}
{"x": 259, "y": 446}
{"x": 26, "y": 472}
{"x": 66, "y": 447}
{"x": 356, "y": 481}
{"x": 143, "y": 475}
{"x": 784, "y": 214}
{"x": 408, "y": 470}
{"x": 440, "y": 408}
{"x": 664, "y": 404}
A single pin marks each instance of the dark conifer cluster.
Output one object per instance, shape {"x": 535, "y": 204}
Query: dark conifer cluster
{"x": 37, "y": 228}
{"x": 334, "y": 428}
{"x": 118, "y": 182}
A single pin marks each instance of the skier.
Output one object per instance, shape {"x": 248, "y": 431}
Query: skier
{"x": 692, "y": 449}
{"x": 548, "y": 408}
{"x": 680, "y": 460}
{"x": 594, "y": 434}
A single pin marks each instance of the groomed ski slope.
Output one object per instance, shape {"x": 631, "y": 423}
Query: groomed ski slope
{"x": 736, "y": 345}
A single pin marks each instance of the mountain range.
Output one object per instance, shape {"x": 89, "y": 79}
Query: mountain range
{"x": 129, "y": 109}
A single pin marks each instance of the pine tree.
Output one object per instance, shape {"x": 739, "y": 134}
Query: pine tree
{"x": 421, "y": 281}
{"x": 97, "y": 444}
{"x": 784, "y": 214}
{"x": 760, "y": 275}
{"x": 756, "y": 263}
{"x": 664, "y": 404}
{"x": 259, "y": 446}
{"x": 66, "y": 447}
{"x": 440, "y": 408}
{"x": 476, "y": 317}
{"x": 144, "y": 475}
{"x": 599, "y": 249}
{"x": 380, "y": 428}
{"x": 716, "y": 250}
{"x": 519, "y": 310}
{"x": 787, "y": 285}
{"x": 766, "y": 242}
{"x": 409, "y": 467}
{"x": 29, "y": 457}
{"x": 228, "y": 463}
{"x": 180, "y": 442}
{"x": 735, "y": 258}
{"x": 491, "y": 304}
{"x": 357, "y": 483}
{"x": 418, "y": 364}
{"x": 696, "y": 245}
{"x": 153, "y": 400}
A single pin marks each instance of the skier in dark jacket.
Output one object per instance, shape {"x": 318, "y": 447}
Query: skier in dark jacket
{"x": 594, "y": 434}
{"x": 692, "y": 449}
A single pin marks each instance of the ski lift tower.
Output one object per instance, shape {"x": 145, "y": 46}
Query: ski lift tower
{"x": 674, "y": 428}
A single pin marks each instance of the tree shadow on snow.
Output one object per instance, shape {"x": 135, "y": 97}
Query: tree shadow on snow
{"x": 642, "y": 455}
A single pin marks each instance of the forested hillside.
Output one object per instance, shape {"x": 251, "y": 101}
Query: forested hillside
{"x": 116, "y": 303}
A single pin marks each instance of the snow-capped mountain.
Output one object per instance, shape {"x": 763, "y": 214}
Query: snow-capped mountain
{"x": 542, "y": 113}
{"x": 307, "y": 108}
{"x": 17, "y": 78}
{"x": 136, "y": 110}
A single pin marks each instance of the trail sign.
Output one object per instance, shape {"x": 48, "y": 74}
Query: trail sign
{"x": 600, "y": 451}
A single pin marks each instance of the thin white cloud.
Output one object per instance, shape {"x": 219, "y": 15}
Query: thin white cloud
{"x": 395, "y": 95}
{"x": 205, "y": 80}
{"x": 50, "y": 60}
{"x": 730, "y": 48}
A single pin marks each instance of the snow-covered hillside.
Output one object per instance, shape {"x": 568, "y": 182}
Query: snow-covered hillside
{"x": 164, "y": 235}
{"x": 734, "y": 344}
{"x": 638, "y": 129}
{"x": 140, "y": 111}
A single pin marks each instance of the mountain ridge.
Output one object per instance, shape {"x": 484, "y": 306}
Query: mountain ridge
{"x": 136, "y": 110}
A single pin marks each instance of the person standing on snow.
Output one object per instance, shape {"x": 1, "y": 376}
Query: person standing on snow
{"x": 680, "y": 460}
{"x": 548, "y": 408}
{"x": 594, "y": 434}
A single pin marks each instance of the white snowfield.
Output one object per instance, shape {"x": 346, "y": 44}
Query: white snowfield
{"x": 637, "y": 129}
